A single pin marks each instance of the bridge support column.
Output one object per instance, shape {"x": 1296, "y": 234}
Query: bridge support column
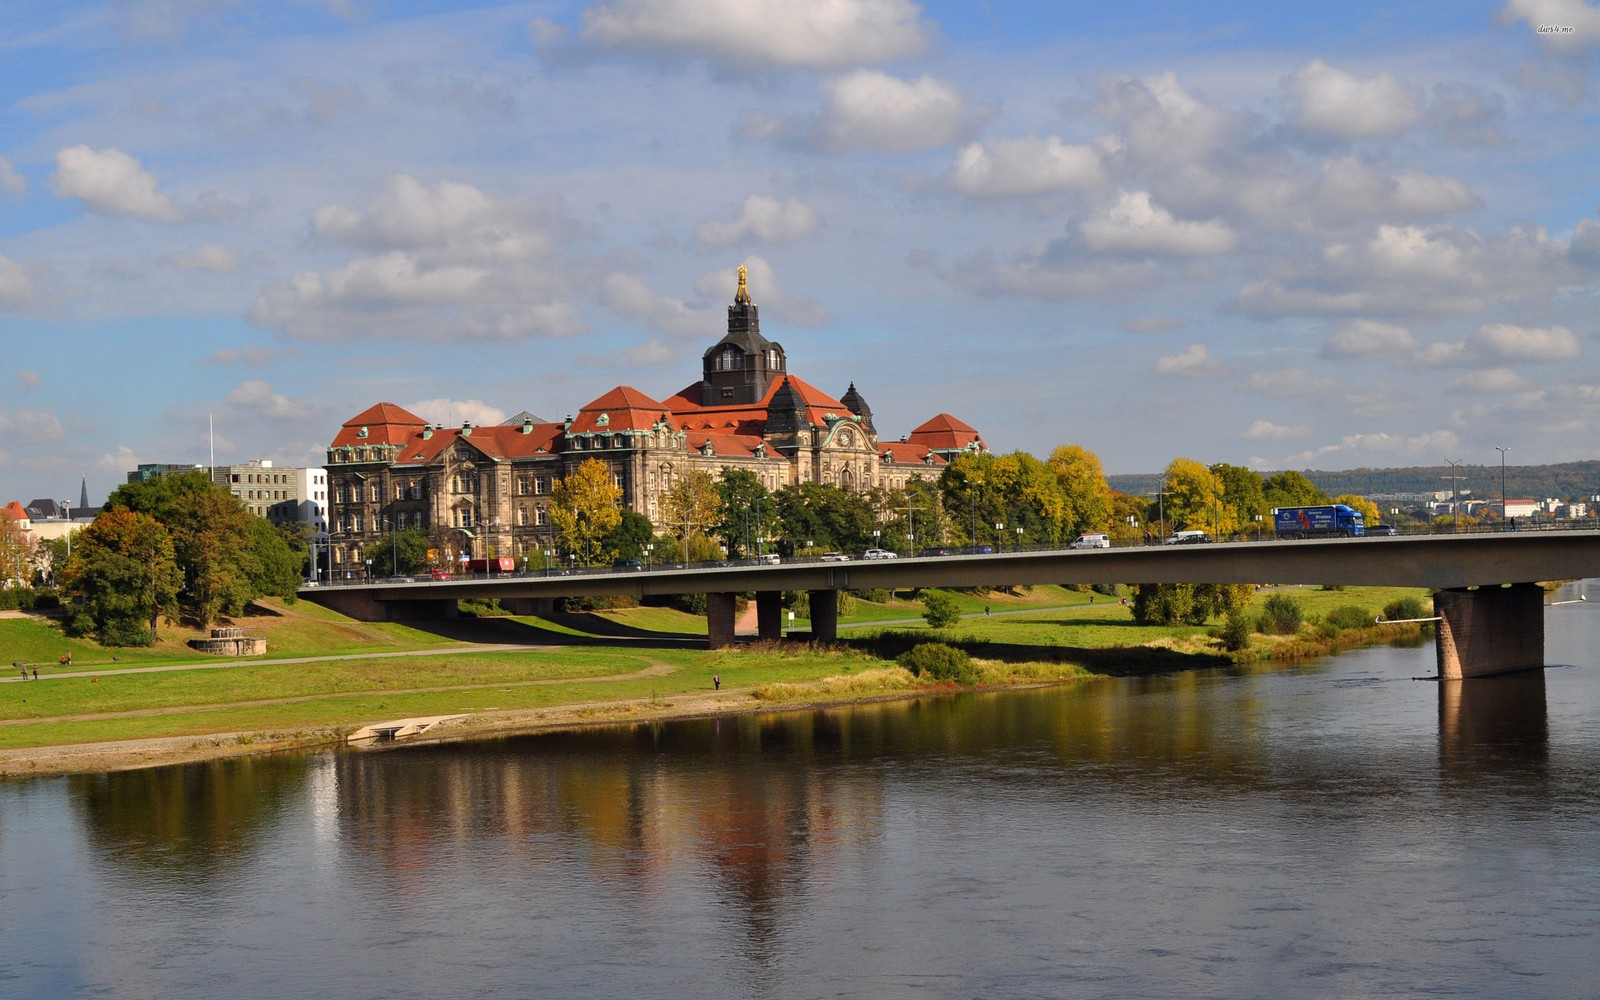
{"x": 1490, "y": 630}
{"x": 364, "y": 608}
{"x": 769, "y": 615}
{"x": 719, "y": 620}
{"x": 824, "y": 615}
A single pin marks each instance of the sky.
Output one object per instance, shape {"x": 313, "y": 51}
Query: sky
{"x": 1335, "y": 237}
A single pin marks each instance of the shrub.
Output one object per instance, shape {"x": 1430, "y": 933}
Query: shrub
{"x": 1235, "y": 631}
{"x": 877, "y": 595}
{"x": 1405, "y": 607}
{"x": 939, "y": 662}
{"x": 124, "y": 632}
{"x": 940, "y": 609}
{"x": 1348, "y": 617}
{"x": 1281, "y": 615}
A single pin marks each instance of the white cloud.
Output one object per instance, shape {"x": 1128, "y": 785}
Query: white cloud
{"x": 762, "y": 218}
{"x": 629, "y": 297}
{"x": 1164, "y": 123}
{"x": 252, "y": 355}
{"x": 1493, "y": 380}
{"x": 1025, "y": 166}
{"x": 776, "y": 303}
{"x": 1523, "y": 343}
{"x": 1266, "y": 430}
{"x": 451, "y": 262}
{"x": 1136, "y": 225}
{"x": 28, "y": 379}
{"x": 10, "y": 180}
{"x": 874, "y": 112}
{"x": 109, "y": 180}
{"x": 1381, "y": 449}
{"x": 32, "y": 425}
{"x": 256, "y": 396}
{"x": 1559, "y": 25}
{"x": 210, "y": 257}
{"x": 1365, "y": 338}
{"x": 749, "y": 35}
{"x": 1293, "y": 383}
{"x": 453, "y": 412}
{"x": 1586, "y": 242}
{"x": 1339, "y": 104}
{"x": 1193, "y": 360}
{"x": 1350, "y": 186}
{"x": 16, "y": 287}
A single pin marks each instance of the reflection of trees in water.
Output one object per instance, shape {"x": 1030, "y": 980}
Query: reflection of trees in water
{"x": 200, "y": 818}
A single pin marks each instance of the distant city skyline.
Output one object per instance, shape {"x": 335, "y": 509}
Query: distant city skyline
{"x": 1354, "y": 235}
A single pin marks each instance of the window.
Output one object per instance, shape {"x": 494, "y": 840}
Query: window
{"x": 522, "y": 515}
{"x": 542, "y": 516}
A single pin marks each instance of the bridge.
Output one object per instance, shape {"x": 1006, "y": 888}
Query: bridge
{"x": 1486, "y": 593}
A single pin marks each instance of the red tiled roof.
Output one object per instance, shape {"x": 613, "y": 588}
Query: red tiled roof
{"x": 386, "y": 423}
{"x": 750, "y": 418}
{"x": 625, "y": 409}
{"x": 909, "y": 453}
{"x": 944, "y": 433}
{"x": 499, "y": 442}
{"x": 727, "y": 445}
{"x": 15, "y": 511}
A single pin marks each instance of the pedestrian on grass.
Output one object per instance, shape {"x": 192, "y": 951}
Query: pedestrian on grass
{"x": 35, "y": 673}
{"x": 716, "y": 682}
{"x": 986, "y": 611}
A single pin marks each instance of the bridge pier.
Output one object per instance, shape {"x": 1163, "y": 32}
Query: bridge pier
{"x": 1489, "y": 630}
{"x": 824, "y": 615}
{"x": 361, "y": 606}
{"x": 719, "y": 620}
{"x": 769, "y": 615}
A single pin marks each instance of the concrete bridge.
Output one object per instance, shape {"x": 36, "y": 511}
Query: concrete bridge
{"x": 1485, "y": 585}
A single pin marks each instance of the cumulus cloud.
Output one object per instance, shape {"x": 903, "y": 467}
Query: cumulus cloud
{"x": 1349, "y": 186}
{"x": 1585, "y": 247}
{"x": 453, "y": 412}
{"x": 1136, "y": 225}
{"x": 1523, "y": 343}
{"x": 10, "y": 180}
{"x": 1266, "y": 430}
{"x": 111, "y": 181}
{"x": 16, "y": 287}
{"x": 775, "y": 302}
{"x": 1025, "y": 166}
{"x": 1335, "y": 103}
{"x": 1559, "y": 25}
{"x": 210, "y": 257}
{"x": 34, "y": 425}
{"x": 1381, "y": 448}
{"x": 1193, "y": 360}
{"x": 870, "y": 111}
{"x": 1364, "y": 338}
{"x": 1293, "y": 383}
{"x": 1492, "y": 380}
{"x": 447, "y": 262}
{"x": 762, "y": 218}
{"x": 630, "y": 298}
{"x": 256, "y": 396}
{"x": 1162, "y": 122}
{"x": 745, "y": 35}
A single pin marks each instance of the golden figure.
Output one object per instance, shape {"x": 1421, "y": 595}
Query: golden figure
{"x": 742, "y": 296}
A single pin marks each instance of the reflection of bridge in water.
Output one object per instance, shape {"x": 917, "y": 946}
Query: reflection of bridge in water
{"x": 1486, "y": 594}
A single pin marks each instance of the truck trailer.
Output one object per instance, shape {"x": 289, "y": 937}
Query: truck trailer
{"x": 1329, "y": 520}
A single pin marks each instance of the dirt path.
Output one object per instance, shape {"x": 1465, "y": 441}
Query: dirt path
{"x": 655, "y": 669}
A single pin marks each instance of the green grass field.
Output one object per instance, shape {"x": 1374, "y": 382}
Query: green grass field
{"x": 365, "y": 672}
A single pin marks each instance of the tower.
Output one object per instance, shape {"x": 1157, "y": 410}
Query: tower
{"x": 739, "y": 368}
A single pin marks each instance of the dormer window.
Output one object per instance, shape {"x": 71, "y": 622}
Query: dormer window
{"x": 730, "y": 360}
{"x": 603, "y": 420}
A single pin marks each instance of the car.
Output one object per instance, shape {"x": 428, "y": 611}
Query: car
{"x": 626, "y": 565}
{"x": 1188, "y": 538}
{"x": 439, "y": 574}
{"x": 978, "y": 550}
{"x": 835, "y": 557}
{"x": 768, "y": 559}
{"x": 937, "y": 550}
{"x": 880, "y": 554}
{"x": 1091, "y": 541}
{"x": 1383, "y": 529}
{"x": 400, "y": 579}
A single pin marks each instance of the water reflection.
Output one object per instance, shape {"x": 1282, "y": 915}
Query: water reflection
{"x": 1494, "y": 726}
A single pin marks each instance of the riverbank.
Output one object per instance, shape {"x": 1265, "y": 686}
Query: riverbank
{"x": 119, "y": 715}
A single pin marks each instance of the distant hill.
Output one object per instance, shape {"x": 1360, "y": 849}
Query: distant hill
{"x": 1567, "y": 481}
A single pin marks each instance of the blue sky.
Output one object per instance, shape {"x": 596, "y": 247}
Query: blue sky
{"x": 1350, "y": 235}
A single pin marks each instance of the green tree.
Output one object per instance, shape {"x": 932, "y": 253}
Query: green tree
{"x": 692, "y": 505}
{"x": 748, "y": 513}
{"x": 584, "y": 507}
{"x": 1191, "y": 603}
{"x": 1088, "y": 499}
{"x": 972, "y": 497}
{"x": 123, "y": 577}
{"x": 276, "y": 566}
{"x": 824, "y": 515}
{"x": 629, "y": 538}
{"x": 940, "y": 609}
{"x": 1291, "y": 489}
{"x": 1242, "y": 495}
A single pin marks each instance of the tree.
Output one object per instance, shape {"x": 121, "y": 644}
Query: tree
{"x": 824, "y": 515}
{"x": 1241, "y": 494}
{"x": 276, "y": 566}
{"x": 16, "y": 552}
{"x": 940, "y": 609}
{"x": 746, "y": 508}
{"x": 970, "y": 496}
{"x": 628, "y": 539}
{"x": 583, "y": 506}
{"x": 123, "y": 577}
{"x": 692, "y": 505}
{"x": 1192, "y": 603}
{"x": 1082, "y": 479}
{"x": 1369, "y": 510}
{"x": 1194, "y": 498}
{"x": 1291, "y": 489}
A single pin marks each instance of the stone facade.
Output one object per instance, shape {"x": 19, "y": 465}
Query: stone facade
{"x": 485, "y": 490}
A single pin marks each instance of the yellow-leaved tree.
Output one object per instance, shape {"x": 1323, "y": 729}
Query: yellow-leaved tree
{"x": 584, "y": 508}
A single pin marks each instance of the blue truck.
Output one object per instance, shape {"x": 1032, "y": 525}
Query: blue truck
{"x": 1329, "y": 520}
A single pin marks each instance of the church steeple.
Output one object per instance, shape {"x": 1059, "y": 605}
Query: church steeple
{"x": 741, "y": 366}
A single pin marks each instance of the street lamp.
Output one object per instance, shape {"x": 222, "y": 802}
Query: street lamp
{"x": 1455, "y": 505}
{"x": 1502, "y": 451}
{"x": 1259, "y": 519}
{"x": 999, "y": 539}
{"x": 1019, "y": 540}
{"x": 1133, "y": 527}
{"x": 875, "y": 534}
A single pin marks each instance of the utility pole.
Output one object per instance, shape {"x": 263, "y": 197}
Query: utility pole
{"x": 1502, "y": 451}
{"x": 1455, "y": 504}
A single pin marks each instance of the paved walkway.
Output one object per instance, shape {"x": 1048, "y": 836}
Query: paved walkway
{"x": 258, "y": 661}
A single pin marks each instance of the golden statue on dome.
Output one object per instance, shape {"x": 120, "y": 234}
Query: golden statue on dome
{"x": 742, "y": 296}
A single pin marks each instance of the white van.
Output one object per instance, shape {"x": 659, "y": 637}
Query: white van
{"x": 1092, "y": 541}
{"x": 1188, "y": 538}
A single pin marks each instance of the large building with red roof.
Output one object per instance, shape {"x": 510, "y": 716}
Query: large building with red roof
{"x": 486, "y": 489}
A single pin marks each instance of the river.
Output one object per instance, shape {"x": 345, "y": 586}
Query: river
{"x": 1337, "y": 829}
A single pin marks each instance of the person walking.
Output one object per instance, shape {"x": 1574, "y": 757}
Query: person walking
{"x": 716, "y": 682}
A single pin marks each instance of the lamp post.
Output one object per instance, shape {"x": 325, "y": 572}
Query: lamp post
{"x": 1259, "y": 529}
{"x": 1019, "y": 540}
{"x": 1455, "y": 505}
{"x": 1161, "y": 509}
{"x": 999, "y": 539}
{"x": 1133, "y": 527}
{"x": 1502, "y": 451}
{"x": 549, "y": 561}
{"x": 875, "y": 535}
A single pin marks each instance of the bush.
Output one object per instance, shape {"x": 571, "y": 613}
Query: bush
{"x": 877, "y": 595}
{"x": 1281, "y": 615}
{"x": 939, "y": 662}
{"x": 1349, "y": 617}
{"x": 125, "y": 633}
{"x": 1235, "y": 631}
{"x": 1405, "y": 607}
{"x": 940, "y": 609}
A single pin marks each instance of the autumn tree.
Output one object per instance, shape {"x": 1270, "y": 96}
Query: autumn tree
{"x": 1087, "y": 497}
{"x": 584, "y": 507}
{"x": 16, "y": 552}
{"x": 123, "y": 577}
{"x": 1368, "y": 510}
{"x": 1194, "y": 498}
{"x": 1242, "y": 495}
{"x": 1291, "y": 489}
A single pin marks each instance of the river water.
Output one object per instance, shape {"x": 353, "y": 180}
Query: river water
{"x": 1339, "y": 829}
